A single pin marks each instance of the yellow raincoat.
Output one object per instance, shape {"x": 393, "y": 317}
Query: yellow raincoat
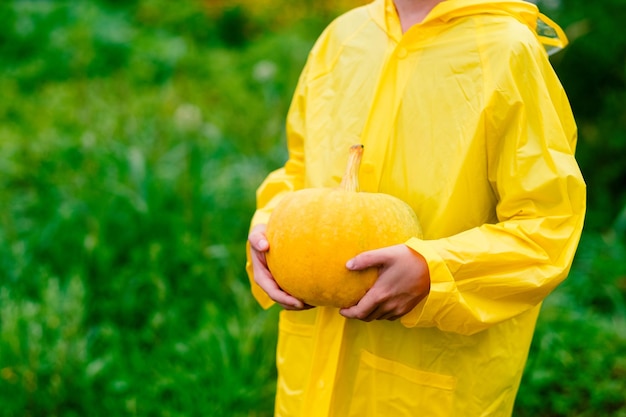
{"x": 463, "y": 118}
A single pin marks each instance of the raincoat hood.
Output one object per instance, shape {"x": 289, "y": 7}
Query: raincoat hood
{"x": 548, "y": 32}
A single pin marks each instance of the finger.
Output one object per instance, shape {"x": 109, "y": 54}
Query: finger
{"x": 362, "y": 310}
{"x": 369, "y": 259}
{"x": 376, "y": 314}
{"x": 258, "y": 241}
{"x": 391, "y": 316}
{"x": 306, "y": 306}
{"x": 267, "y": 283}
{"x": 264, "y": 279}
{"x": 295, "y": 304}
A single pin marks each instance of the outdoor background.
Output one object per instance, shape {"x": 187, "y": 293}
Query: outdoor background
{"x": 133, "y": 135}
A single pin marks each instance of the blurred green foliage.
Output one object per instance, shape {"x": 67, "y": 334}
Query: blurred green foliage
{"x": 593, "y": 71}
{"x": 133, "y": 135}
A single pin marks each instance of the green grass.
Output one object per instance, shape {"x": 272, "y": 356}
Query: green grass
{"x": 577, "y": 365}
{"x": 126, "y": 191}
{"x": 131, "y": 143}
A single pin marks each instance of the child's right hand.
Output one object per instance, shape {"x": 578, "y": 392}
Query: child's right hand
{"x": 262, "y": 275}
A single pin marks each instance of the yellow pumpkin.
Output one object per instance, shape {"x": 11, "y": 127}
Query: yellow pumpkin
{"x": 313, "y": 233}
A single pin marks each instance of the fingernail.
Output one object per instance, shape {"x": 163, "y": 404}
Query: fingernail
{"x": 350, "y": 264}
{"x": 263, "y": 244}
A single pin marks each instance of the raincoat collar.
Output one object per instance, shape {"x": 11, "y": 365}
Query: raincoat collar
{"x": 549, "y": 33}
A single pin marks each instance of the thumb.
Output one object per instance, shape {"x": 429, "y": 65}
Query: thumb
{"x": 364, "y": 260}
{"x": 260, "y": 243}
{"x": 258, "y": 240}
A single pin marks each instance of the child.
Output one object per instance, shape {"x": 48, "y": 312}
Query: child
{"x": 462, "y": 117}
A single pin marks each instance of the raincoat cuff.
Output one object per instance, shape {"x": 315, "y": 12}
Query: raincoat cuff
{"x": 263, "y": 212}
{"x": 260, "y": 217}
{"x": 441, "y": 287}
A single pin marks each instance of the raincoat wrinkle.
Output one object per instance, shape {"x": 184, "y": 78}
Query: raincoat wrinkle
{"x": 464, "y": 119}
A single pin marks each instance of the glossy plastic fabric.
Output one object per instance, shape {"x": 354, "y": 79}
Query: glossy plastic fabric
{"x": 464, "y": 119}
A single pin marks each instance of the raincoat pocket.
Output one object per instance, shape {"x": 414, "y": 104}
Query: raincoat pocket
{"x": 295, "y": 346}
{"x": 386, "y": 388}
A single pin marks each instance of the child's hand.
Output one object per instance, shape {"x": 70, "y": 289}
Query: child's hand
{"x": 403, "y": 281}
{"x": 262, "y": 275}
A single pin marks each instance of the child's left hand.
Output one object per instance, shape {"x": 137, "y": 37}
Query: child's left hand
{"x": 403, "y": 281}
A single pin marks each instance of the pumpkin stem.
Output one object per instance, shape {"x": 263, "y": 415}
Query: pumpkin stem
{"x": 350, "y": 180}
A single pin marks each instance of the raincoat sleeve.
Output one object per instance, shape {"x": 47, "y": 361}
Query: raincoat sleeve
{"x": 281, "y": 181}
{"x": 494, "y": 272}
